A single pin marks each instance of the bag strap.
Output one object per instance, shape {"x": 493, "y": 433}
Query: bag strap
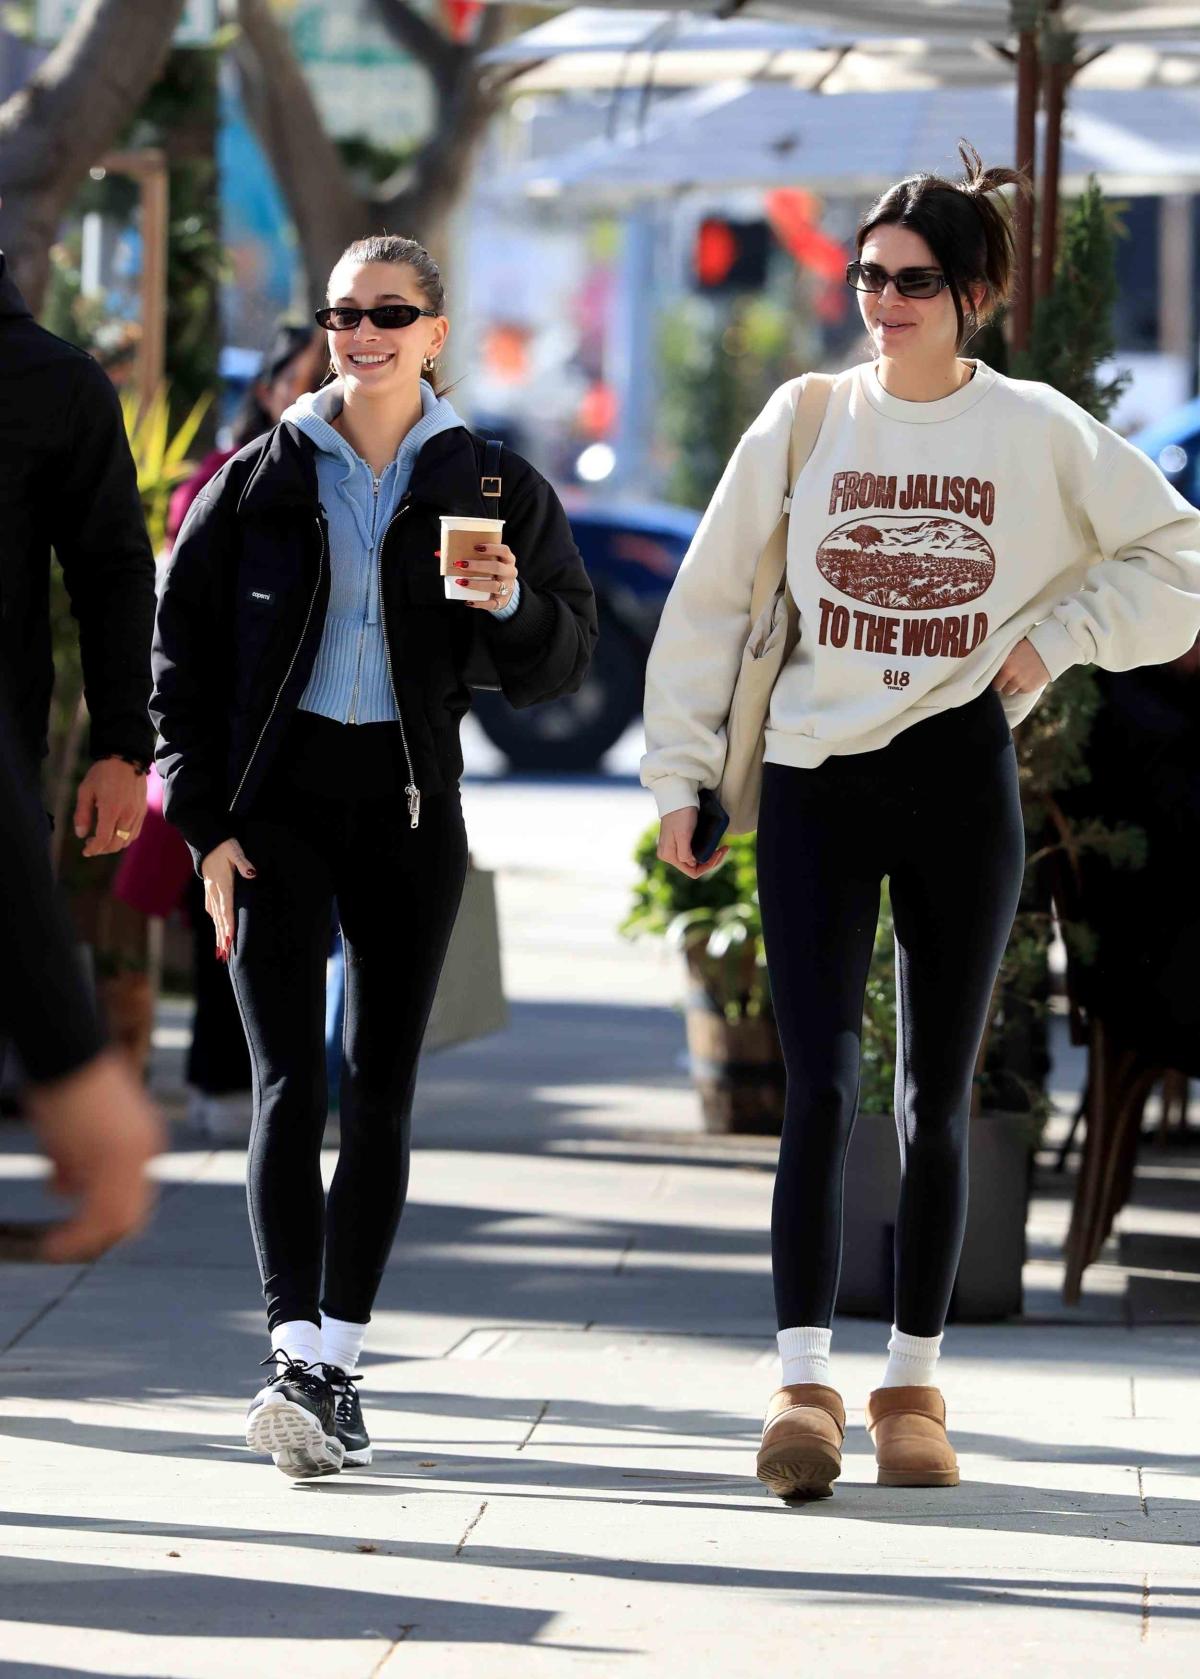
{"x": 491, "y": 483}
{"x": 770, "y": 576}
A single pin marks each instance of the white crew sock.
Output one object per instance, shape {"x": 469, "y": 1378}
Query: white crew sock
{"x": 912, "y": 1360}
{"x": 805, "y": 1355}
{"x": 342, "y": 1343}
{"x": 299, "y": 1339}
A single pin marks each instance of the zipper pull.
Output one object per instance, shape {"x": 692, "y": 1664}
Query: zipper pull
{"x": 414, "y": 805}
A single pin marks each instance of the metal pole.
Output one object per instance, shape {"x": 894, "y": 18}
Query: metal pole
{"x": 1025, "y": 15}
{"x": 1058, "y": 56}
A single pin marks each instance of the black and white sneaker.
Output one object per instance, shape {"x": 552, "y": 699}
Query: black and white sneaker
{"x": 351, "y": 1430}
{"x": 294, "y": 1419}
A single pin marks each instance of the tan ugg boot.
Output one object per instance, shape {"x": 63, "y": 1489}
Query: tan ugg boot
{"x": 801, "y": 1451}
{"x": 908, "y": 1426}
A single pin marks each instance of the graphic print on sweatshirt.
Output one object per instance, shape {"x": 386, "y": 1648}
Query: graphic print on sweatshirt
{"x": 914, "y": 560}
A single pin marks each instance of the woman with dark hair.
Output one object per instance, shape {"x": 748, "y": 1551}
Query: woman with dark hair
{"x": 294, "y": 364}
{"x": 311, "y": 667}
{"x": 955, "y": 541}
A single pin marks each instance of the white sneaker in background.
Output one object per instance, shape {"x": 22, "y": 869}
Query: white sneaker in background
{"x": 223, "y": 1119}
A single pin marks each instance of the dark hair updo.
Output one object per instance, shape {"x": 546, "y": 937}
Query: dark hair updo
{"x": 967, "y": 227}
{"x": 408, "y": 253}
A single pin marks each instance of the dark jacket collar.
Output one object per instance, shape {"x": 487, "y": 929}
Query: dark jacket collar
{"x": 12, "y": 304}
{"x": 446, "y": 473}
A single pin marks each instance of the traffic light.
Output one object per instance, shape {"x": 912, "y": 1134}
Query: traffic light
{"x": 730, "y": 256}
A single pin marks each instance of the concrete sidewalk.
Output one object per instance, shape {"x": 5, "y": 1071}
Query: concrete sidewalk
{"x": 565, "y": 1381}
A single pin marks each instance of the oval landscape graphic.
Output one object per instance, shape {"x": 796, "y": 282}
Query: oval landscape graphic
{"x": 910, "y": 564}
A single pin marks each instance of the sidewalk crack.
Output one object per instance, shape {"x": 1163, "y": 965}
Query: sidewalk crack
{"x": 391, "y": 1650}
{"x": 470, "y": 1528}
{"x": 1141, "y": 1492}
{"x": 625, "y": 1253}
{"x": 1132, "y": 1397}
{"x": 1145, "y": 1607}
{"x": 38, "y": 1317}
{"x": 534, "y": 1424}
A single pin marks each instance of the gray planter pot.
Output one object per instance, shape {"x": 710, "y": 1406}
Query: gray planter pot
{"x": 470, "y": 996}
{"x": 989, "y": 1277}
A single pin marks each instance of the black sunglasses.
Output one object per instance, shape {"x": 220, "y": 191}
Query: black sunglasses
{"x": 910, "y": 282}
{"x": 342, "y": 317}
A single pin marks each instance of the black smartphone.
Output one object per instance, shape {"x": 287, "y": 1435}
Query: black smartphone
{"x": 711, "y": 823}
{"x": 21, "y": 1240}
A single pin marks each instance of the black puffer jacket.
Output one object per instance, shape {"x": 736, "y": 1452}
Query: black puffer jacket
{"x": 244, "y": 601}
{"x": 67, "y": 481}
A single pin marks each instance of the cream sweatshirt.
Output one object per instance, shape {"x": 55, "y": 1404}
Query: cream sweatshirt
{"x": 925, "y": 540}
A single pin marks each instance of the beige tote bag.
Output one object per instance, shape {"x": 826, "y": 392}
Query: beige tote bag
{"x": 775, "y": 631}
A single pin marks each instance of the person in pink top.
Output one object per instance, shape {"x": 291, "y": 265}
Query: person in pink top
{"x": 295, "y": 363}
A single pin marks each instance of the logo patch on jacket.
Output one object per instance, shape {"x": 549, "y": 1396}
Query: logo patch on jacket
{"x": 264, "y": 596}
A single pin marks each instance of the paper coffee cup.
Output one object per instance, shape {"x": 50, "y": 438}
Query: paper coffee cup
{"x": 459, "y": 536}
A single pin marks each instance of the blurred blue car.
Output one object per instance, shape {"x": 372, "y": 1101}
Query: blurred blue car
{"x": 1175, "y": 444}
{"x": 632, "y": 553}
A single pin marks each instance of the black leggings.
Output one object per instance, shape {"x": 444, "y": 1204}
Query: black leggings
{"x": 938, "y": 812}
{"x": 331, "y": 823}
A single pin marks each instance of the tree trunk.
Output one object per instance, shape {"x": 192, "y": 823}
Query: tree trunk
{"x": 70, "y": 112}
{"x": 326, "y": 207}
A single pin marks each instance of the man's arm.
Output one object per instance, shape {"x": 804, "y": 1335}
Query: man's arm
{"x": 99, "y": 534}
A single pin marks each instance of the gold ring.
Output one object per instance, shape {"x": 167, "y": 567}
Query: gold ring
{"x": 123, "y": 833}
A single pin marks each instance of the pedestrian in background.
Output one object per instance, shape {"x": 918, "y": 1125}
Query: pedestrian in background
{"x": 956, "y": 540}
{"x": 311, "y": 672}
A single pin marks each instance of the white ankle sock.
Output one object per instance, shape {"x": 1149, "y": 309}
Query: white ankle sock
{"x": 299, "y": 1339}
{"x": 342, "y": 1343}
{"x": 912, "y": 1360}
{"x": 805, "y": 1355}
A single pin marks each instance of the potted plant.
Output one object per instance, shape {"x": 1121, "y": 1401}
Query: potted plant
{"x": 736, "y": 1061}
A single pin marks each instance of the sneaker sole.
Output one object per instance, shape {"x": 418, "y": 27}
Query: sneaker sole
{"x": 792, "y": 1472}
{"x": 295, "y": 1439}
{"x": 360, "y": 1458}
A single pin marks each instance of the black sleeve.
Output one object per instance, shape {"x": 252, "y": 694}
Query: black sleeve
{"x": 45, "y": 1005}
{"x": 99, "y": 534}
{"x": 545, "y": 648}
{"x": 190, "y": 702}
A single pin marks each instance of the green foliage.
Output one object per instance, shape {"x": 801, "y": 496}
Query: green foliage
{"x": 878, "y": 1073}
{"x": 160, "y": 455}
{"x": 719, "y": 362}
{"x": 1072, "y": 325}
{"x": 370, "y": 164}
{"x": 715, "y": 921}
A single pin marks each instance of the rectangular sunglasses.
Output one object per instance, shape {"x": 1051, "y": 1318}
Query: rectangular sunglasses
{"x": 910, "y": 282}
{"x": 341, "y": 317}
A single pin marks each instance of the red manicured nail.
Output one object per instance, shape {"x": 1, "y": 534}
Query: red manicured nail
{"x": 462, "y": 582}
{"x": 462, "y": 564}
{"x": 437, "y": 553}
{"x": 480, "y": 548}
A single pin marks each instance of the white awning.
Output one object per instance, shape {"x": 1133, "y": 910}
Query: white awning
{"x": 765, "y": 135}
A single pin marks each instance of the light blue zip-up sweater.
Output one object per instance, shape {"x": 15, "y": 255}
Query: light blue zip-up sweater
{"x": 350, "y": 681}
